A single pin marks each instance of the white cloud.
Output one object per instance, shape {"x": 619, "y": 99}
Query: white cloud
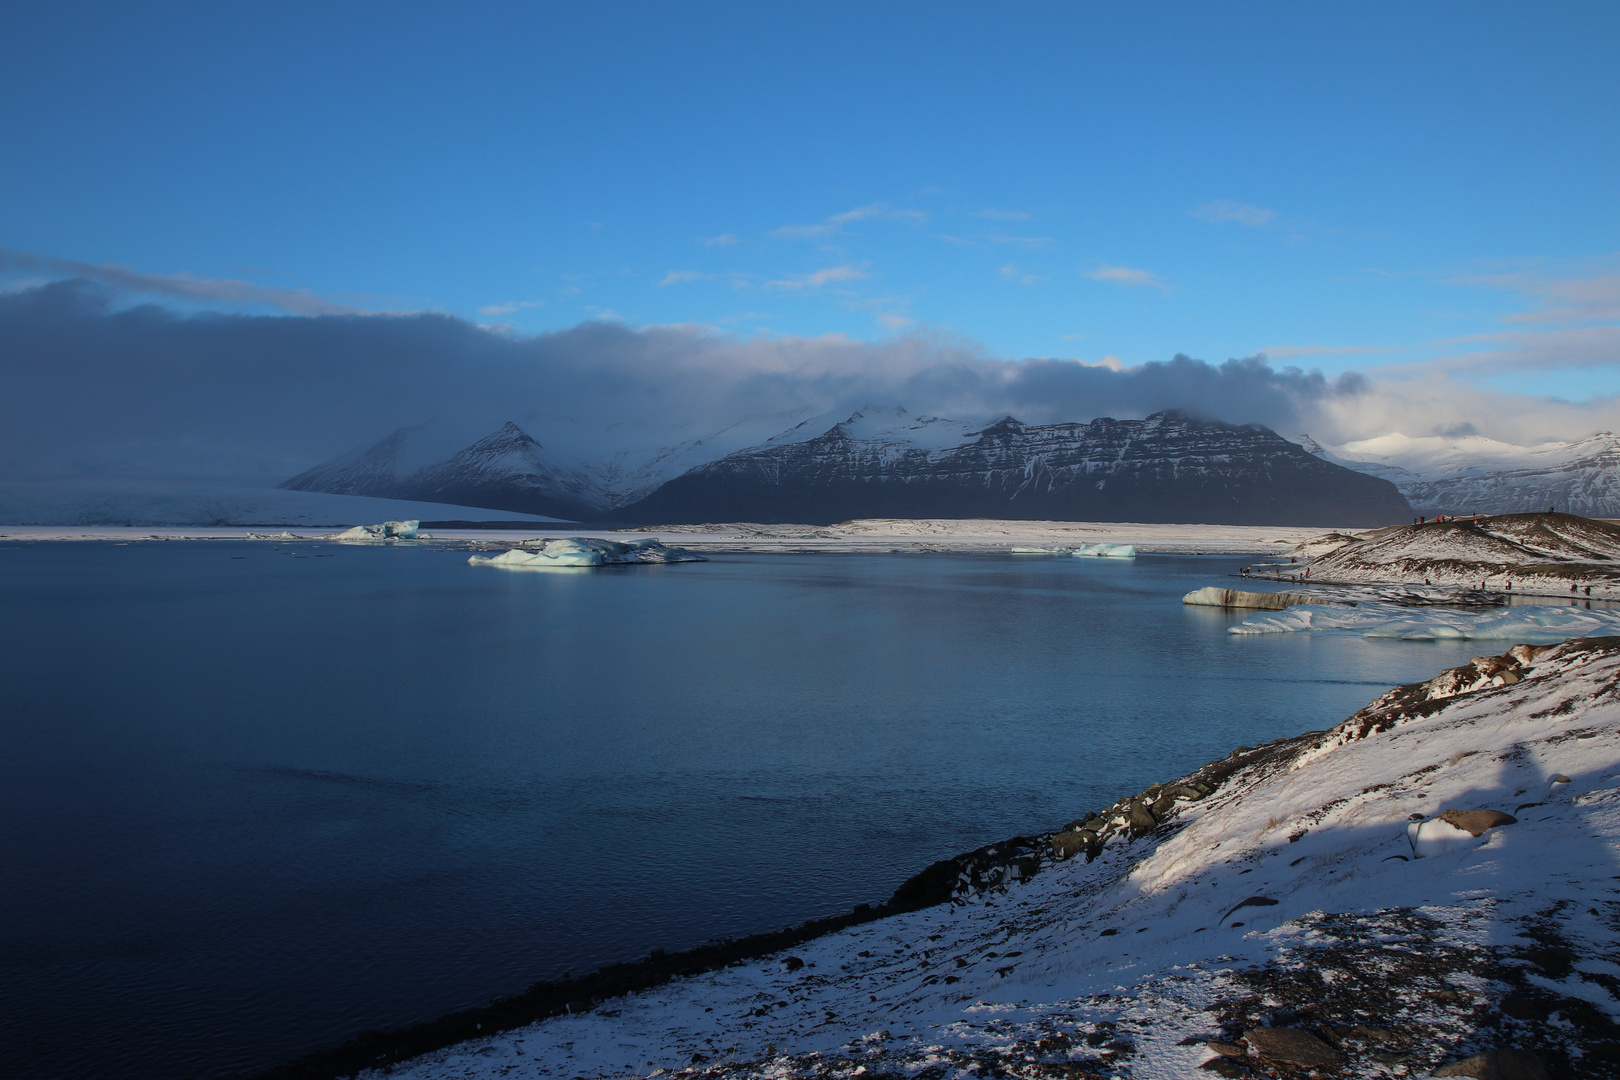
{"x": 677, "y": 277}
{"x": 836, "y": 222}
{"x": 509, "y": 307}
{"x": 1012, "y": 273}
{"x": 816, "y": 280}
{"x": 893, "y": 320}
{"x": 1125, "y": 275}
{"x": 1223, "y": 211}
{"x": 723, "y": 240}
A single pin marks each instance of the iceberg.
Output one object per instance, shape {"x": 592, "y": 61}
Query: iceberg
{"x": 387, "y": 530}
{"x": 574, "y": 552}
{"x": 1213, "y": 596}
{"x": 1533, "y": 623}
{"x": 1104, "y": 551}
{"x": 1040, "y": 551}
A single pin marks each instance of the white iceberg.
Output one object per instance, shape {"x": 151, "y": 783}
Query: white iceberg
{"x": 1040, "y": 551}
{"x": 574, "y": 552}
{"x": 1535, "y": 624}
{"x": 1213, "y": 596}
{"x": 387, "y": 530}
{"x": 1104, "y": 551}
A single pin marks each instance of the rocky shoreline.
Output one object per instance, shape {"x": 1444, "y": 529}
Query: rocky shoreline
{"x": 1379, "y": 946}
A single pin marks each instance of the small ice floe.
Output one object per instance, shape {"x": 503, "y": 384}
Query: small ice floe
{"x": 1452, "y": 829}
{"x": 1040, "y": 551}
{"x": 574, "y": 552}
{"x": 1537, "y": 623}
{"x": 1104, "y": 551}
{"x": 387, "y": 530}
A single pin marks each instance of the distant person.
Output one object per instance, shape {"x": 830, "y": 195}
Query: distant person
{"x": 1589, "y": 590}
{"x": 1510, "y": 586}
{"x": 1572, "y": 586}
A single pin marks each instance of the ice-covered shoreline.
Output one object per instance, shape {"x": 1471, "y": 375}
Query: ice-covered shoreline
{"x": 1267, "y": 909}
{"x": 878, "y": 536}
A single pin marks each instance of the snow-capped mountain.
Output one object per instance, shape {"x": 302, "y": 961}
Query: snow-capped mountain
{"x": 508, "y": 470}
{"x": 505, "y": 470}
{"x": 1169, "y": 467}
{"x": 1478, "y": 475}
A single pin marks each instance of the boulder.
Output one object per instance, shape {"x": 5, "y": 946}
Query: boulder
{"x": 1140, "y": 819}
{"x": 1475, "y": 822}
{"x": 1066, "y": 845}
{"x": 1291, "y": 1046}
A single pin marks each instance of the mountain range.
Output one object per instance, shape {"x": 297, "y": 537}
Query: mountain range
{"x": 1474, "y": 474}
{"x": 886, "y": 462}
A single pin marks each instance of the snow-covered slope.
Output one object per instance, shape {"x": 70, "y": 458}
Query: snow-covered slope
{"x": 1543, "y": 554}
{"x": 508, "y": 470}
{"x": 1473, "y": 474}
{"x": 1428, "y": 882}
{"x": 1169, "y": 467}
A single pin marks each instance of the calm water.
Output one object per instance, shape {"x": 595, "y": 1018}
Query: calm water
{"x": 255, "y": 804}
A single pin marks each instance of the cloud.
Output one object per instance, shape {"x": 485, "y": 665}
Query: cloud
{"x": 835, "y": 223}
{"x": 1224, "y": 211}
{"x": 1573, "y": 322}
{"x": 509, "y": 307}
{"x": 1012, "y": 273}
{"x": 1124, "y": 275}
{"x": 816, "y": 280}
{"x": 723, "y": 240}
{"x": 180, "y": 286}
{"x": 90, "y": 386}
{"x": 678, "y": 277}
{"x": 1558, "y": 299}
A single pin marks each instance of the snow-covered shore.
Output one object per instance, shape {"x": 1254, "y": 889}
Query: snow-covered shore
{"x": 1538, "y": 554}
{"x": 1321, "y": 902}
{"x": 855, "y": 537}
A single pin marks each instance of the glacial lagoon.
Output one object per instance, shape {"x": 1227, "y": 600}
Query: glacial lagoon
{"x": 260, "y": 796}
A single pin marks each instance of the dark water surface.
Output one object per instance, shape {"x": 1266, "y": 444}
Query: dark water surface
{"x": 252, "y": 807}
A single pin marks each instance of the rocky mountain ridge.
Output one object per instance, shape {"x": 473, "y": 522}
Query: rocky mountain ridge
{"x": 1168, "y": 467}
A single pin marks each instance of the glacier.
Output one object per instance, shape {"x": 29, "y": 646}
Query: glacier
{"x": 1535, "y": 623}
{"x": 574, "y": 552}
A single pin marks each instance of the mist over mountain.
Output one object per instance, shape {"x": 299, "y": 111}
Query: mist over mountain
{"x": 89, "y": 387}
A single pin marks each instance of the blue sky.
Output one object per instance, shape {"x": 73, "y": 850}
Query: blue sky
{"x": 1416, "y": 191}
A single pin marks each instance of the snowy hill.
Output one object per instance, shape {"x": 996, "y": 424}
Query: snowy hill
{"x": 1473, "y": 474}
{"x": 1426, "y": 886}
{"x": 1540, "y": 553}
{"x": 1169, "y": 467}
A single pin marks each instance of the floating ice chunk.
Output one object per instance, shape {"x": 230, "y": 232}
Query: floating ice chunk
{"x": 1535, "y": 624}
{"x": 1040, "y": 551}
{"x": 1211, "y": 596}
{"x": 574, "y": 552}
{"x": 1104, "y": 551}
{"x": 388, "y": 530}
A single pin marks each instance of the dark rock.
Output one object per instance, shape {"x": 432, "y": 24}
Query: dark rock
{"x": 1525, "y": 1007}
{"x": 1226, "y": 1049}
{"x": 1497, "y": 1065}
{"x": 1253, "y": 901}
{"x": 1140, "y": 819}
{"x": 792, "y": 963}
{"x": 1291, "y": 1046}
{"x": 1475, "y": 822}
{"x": 1066, "y": 845}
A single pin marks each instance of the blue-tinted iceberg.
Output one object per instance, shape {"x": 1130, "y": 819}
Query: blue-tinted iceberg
{"x": 1104, "y": 551}
{"x": 388, "y": 530}
{"x": 1535, "y": 624}
{"x": 584, "y": 551}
